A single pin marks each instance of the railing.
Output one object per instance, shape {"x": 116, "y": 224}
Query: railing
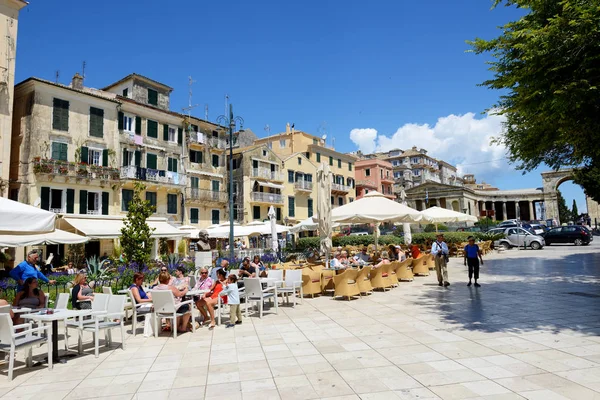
{"x": 153, "y": 175}
{"x": 202, "y": 138}
{"x": 206, "y": 195}
{"x": 74, "y": 170}
{"x": 267, "y": 174}
{"x": 303, "y": 185}
{"x": 94, "y": 212}
{"x": 58, "y": 210}
{"x": 340, "y": 188}
{"x": 266, "y": 197}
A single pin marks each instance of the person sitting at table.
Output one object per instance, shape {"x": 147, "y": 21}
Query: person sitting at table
{"x": 180, "y": 281}
{"x": 211, "y": 299}
{"x": 156, "y": 282}
{"x": 257, "y": 264}
{"x": 164, "y": 280}
{"x": 364, "y": 255}
{"x": 399, "y": 254}
{"x": 137, "y": 291}
{"x": 344, "y": 257}
{"x": 204, "y": 282}
{"x": 31, "y": 296}
{"x": 415, "y": 252}
{"x": 385, "y": 259}
{"x": 246, "y": 269}
{"x": 335, "y": 261}
{"x": 81, "y": 294}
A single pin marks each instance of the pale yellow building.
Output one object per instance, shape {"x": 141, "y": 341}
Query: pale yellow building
{"x": 299, "y": 188}
{"x": 9, "y": 18}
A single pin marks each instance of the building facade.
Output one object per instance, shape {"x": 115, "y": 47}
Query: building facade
{"x": 299, "y": 189}
{"x": 374, "y": 175}
{"x": 9, "y": 20}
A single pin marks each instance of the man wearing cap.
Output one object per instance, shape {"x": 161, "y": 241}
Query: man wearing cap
{"x": 399, "y": 254}
{"x": 439, "y": 249}
{"x": 26, "y": 269}
{"x": 472, "y": 251}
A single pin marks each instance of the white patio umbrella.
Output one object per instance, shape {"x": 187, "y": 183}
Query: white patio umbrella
{"x": 436, "y": 215}
{"x": 18, "y": 218}
{"x": 405, "y": 225}
{"x": 324, "y": 208}
{"x": 273, "y": 223}
{"x": 55, "y": 237}
{"x": 374, "y": 208}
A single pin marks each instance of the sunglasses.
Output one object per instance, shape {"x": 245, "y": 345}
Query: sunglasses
{"x": 163, "y": 270}
{"x": 203, "y": 273}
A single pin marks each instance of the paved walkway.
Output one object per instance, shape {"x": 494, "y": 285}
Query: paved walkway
{"x": 531, "y": 331}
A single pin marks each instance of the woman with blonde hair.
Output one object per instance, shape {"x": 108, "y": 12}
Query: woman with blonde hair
{"x": 81, "y": 294}
{"x": 164, "y": 278}
{"x": 385, "y": 259}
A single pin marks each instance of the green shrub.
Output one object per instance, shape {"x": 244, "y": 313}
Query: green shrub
{"x": 431, "y": 228}
{"x": 364, "y": 240}
{"x": 452, "y": 237}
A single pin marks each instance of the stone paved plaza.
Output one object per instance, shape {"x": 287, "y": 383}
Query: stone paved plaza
{"x": 531, "y": 331}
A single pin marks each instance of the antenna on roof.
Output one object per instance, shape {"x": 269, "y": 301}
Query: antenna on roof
{"x": 206, "y": 112}
{"x": 83, "y": 70}
{"x": 57, "y": 75}
{"x": 226, "y": 104}
{"x": 268, "y": 129}
{"x": 190, "y": 107}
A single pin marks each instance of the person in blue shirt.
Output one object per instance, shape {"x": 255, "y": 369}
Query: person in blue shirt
{"x": 472, "y": 258}
{"x": 439, "y": 249}
{"x": 26, "y": 269}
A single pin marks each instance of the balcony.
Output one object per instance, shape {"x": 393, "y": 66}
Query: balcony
{"x": 303, "y": 186}
{"x": 206, "y": 168}
{"x": 54, "y": 168}
{"x": 204, "y": 139}
{"x": 338, "y": 187}
{"x": 265, "y": 173}
{"x": 261, "y": 197}
{"x": 205, "y": 195}
{"x": 153, "y": 175}
{"x": 366, "y": 182}
{"x": 387, "y": 179}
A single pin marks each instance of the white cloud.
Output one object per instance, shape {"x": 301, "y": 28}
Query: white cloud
{"x": 461, "y": 140}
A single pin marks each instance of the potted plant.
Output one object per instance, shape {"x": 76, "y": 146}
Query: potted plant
{"x": 82, "y": 171}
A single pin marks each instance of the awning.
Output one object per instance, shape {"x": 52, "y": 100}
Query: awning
{"x": 107, "y": 227}
{"x": 269, "y": 184}
{"x": 19, "y": 218}
{"x": 213, "y": 174}
{"x": 55, "y": 237}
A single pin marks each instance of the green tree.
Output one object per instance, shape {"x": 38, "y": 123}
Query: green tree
{"x": 135, "y": 234}
{"x": 574, "y": 210}
{"x": 564, "y": 214}
{"x": 547, "y": 65}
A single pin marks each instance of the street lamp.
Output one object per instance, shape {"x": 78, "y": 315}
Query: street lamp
{"x": 230, "y": 121}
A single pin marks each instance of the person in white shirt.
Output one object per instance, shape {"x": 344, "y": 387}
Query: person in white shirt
{"x": 335, "y": 261}
{"x": 439, "y": 249}
{"x": 233, "y": 299}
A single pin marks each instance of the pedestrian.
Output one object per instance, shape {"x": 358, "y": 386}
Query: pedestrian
{"x": 439, "y": 249}
{"x": 26, "y": 269}
{"x": 472, "y": 258}
{"x": 233, "y": 299}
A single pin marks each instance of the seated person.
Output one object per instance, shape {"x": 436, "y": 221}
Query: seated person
{"x": 164, "y": 280}
{"x": 415, "y": 252}
{"x": 344, "y": 257}
{"x": 180, "y": 280}
{"x": 246, "y": 270}
{"x": 30, "y": 296}
{"x": 392, "y": 252}
{"x": 211, "y": 299}
{"x": 137, "y": 291}
{"x": 81, "y": 294}
{"x": 156, "y": 282}
{"x": 257, "y": 264}
{"x": 399, "y": 254}
{"x": 335, "y": 261}
{"x": 385, "y": 259}
{"x": 204, "y": 282}
{"x": 71, "y": 268}
{"x": 364, "y": 255}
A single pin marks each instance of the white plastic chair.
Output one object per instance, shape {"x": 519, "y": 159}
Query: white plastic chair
{"x": 10, "y": 340}
{"x": 255, "y": 292}
{"x": 106, "y": 321}
{"x": 62, "y": 301}
{"x": 164, "y": 307}
{"x": 292, "y": 284}
{"x": 5, "y": 309}
{"x": 137, "y": 310}
{"x": 276, "y": 275}
{"x": 106, "y": 290}
{"x": 99, "y": 306}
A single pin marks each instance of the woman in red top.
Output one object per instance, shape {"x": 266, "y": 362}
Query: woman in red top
{"x": 415, "y": 252}
{"x": 211, "y": 298}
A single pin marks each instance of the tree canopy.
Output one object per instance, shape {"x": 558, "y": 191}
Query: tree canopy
{"x": 135, "y": 234}
{"x": 547, "y": 65}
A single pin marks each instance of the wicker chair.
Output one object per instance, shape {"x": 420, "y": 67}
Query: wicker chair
{"x": 403, "y": 271}
{"x": 345, "y": 284}
{"x": 311, "y": 281}
{"x": 327, "y": 284}
{"x": 429, "y": 261}
{"x": 391, "y": 272}
{"x": 378, "y": 281}
{"x": 363, "y": 280}
{"x": 419, "y": 268}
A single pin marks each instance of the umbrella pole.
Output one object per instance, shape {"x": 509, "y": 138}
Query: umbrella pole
{"x": 436, "y": 229}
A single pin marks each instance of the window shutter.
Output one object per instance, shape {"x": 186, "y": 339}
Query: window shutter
{"x": 152, "y": 129}
{"x": 174, "y": 166}
{"x": 96, "y": 122}
{"x": 83, "y": 202}
{"x": 200, "y": 157}
{"x": 105, "y": 158}
{"x": 179, "y": 135}
{"x": 104, "y": 203}
{"x": 63, "y": 151}
{"x": 55, "y": 151}
{"x": 194, "y": 215}
{"x": 138, "y": 158}
{"x": 45, "y": 198}
{"x": 84, "y": 155}
{"x": 124, "y": 163}
{"x": 138, "y": 125}
{"x": 70, "y": 201}
{"x": 120, "y": 121}
{"x": 166, "y": 132}
{"x": 151, "y": 161}
{"x": 168, "y": 164}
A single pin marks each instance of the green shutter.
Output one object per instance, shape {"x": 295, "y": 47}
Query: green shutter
{"x": 152, "y": 129}
{"x": 215, "y": 186}
{"x": 105, "y": 158}
{"x": 96, "y": 122}
{"x": 55, "y": 151}
{"x": 138, "y": 158}
{"x": 45, "y": 198}
{"x": 152, "y": 97}
{"x": 179, "y": 135}
{"x": 151, "y": 161}
{"x": 105, "y": 203}
{"x": 138, "y": 125}
{"x": 84, "y": 155}
{"x": 194, "y": 215}
{"x": 120, "y": 121}
{"x": 194, "y": 182}
{"x": 63, "y": 152}
{"x": 319, "y": 157}
{"x": 83, "y": 202}
{"x": 60, "y": 115}
{"x": 124, "y": 163}
{"x": 166, "y": 132}
{"x": 70, "y": 201}
{"x": 174, "y": 166}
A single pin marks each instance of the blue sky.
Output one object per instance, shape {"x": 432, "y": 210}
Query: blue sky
{"x": 395, "y": 72}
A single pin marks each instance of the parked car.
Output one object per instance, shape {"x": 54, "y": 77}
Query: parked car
{"x": 359, "y": 233}
{"x": 517, "y": 236}
{"x": 511, "y": 223}
{"x": 538, "y": 229}
{"x": 576, "y": 234}
{"x": 469, "y": 229}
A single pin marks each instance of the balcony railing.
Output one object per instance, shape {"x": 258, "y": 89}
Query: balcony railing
{"x": 94, "y": 212}
{"x": 58, "y": 210}
{"x": 267, "y": 174}
{"x": 266, "y": 197}
{"x": 340, "y": 188}
{"x": 206, "y": 195}
{"x": 303, "y": 185}
{"x": 153, "y": 175}
{"x": 74, "y": 170}
{"x": 202, "y": 138}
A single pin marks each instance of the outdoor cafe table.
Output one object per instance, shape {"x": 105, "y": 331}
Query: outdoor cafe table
{"x": 57, "y": 315}
{"x": 197, "y": 292}
{"x": 20, "y": 310}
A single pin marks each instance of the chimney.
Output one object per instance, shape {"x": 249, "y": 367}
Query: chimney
{"x": 287, "y": 128}
{"x": 77, "y": 82}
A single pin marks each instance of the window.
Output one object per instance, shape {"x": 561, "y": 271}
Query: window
{"x": 310, "y": 208}
{"x": 151, "y": 197}
{"x": 416, "y": 172}
{"x": 194, "y": 215}
{"x": 330, "y": 160}
{"x": 128, "y": 123}
{"x": 381, "y": 173}
{"x": 196, "y": 156}
{"x": 215, "y": 216}
{"x": 59, "y": 151}
{"x": 340, "y": 201}
{"x": 349, "y": 166}
{"x": 350, "y": 199}
{"x": 397, "y": 174}
{"x": 215, "y": 160}
{"x": 367, "y": 172}
{"x": 290, "y": 176}
{"x": 152, "y": 97}
{"x": 94, "y": 157}
{"x": 56, "y": 200}
{"x": 291, "y": 207}
{"x": 171, "y": 204}
{"x": 383, "y": 189}
{"x": 264, "y": 152}
{"x": 151, "y": 161}
{"x": 125, "y": 92}
{"x": 94, "y": 203}
{"x": 315, "y": 142}
{"x": 256, "y": 212}
{"x": 215, "y": 185}
{"x": 282, "y": 143}
{"x": 172, "y": 164}
{"x": 339, "y": 163}
{"x": 96, "y": 122}
{"x": 299, "y": 160}
{"x": 194, "y": 182}
{"x": 307, "y": 155}
{"x": 172, "y": 134}
{"x": 415, "y": 160}
{"x": 126, "y": 197}
{"x": 152, "y": 129}
{"x": 278, "y": 213}
{"x": 332, "y": 200}
{"x": 395, "y": 163}
{"x": 318, "y": 157}
{"x": 60, "y": 115}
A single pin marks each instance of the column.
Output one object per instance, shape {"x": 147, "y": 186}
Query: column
{"x": 504, "y": 214}
{"x": 531, "y": 210}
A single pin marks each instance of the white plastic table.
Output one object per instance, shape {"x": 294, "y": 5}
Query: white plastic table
{"x": 197, "y": 292}
{"x": 19, "y": 310}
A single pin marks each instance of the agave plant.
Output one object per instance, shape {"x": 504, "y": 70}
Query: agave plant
{"x": 97, "y": 269}
{"x": 173, "y": 261}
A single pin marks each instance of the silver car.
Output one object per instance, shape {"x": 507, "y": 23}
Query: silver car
{"x": 517, "y": 236}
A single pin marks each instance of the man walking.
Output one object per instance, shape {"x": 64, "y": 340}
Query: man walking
{"x": 472, "y": 251}
{"x": 439, "y": 249}
{"x": 26, "y": 269}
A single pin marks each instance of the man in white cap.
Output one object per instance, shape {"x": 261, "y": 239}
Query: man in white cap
{"x": 439, "y": 249}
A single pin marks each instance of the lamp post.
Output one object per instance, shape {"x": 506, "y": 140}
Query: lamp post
{"x": 230, "y": 121}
